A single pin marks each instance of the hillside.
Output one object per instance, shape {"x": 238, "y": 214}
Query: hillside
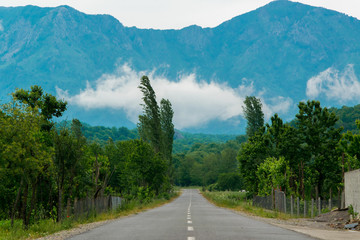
{"x": 274, "y": 51}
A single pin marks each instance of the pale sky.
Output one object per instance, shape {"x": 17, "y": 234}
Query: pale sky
{"x": 176, "y": 14}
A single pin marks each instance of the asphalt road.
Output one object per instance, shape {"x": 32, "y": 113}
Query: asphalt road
{"x": 190, "y": 217}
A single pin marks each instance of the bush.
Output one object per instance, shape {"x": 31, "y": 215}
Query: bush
{"x": 229, "y": 181}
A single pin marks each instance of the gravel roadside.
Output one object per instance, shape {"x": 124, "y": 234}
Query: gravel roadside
{"x": 62, "y": 235}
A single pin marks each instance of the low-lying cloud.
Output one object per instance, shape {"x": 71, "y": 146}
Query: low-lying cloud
{"x": 335, "y": 85}
{"x": 194, "y": 102}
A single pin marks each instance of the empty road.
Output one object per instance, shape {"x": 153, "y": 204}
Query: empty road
{"x": 190, "y": 217}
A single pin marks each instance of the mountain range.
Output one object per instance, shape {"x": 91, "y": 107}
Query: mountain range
{"x": 283, "y": 52}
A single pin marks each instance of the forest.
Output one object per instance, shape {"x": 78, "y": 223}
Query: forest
{"x": 44, "y": 168}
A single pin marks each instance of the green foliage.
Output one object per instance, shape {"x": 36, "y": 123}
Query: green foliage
{"x": 24, "y": 156}
{"x": 155, "y": 127}
{"x": 47, "y": 104}
{"x": 149, "y": 126}
{"x": 203, "y": 163}
{"x": 347, "y": 117}
{"x": 352, "y": 212}
{"x": 252, "y": 153}
{"x": 301, "y": 159}
{"x": 42, "y": 172}
{"x": 167, "y": 127}
{"x": 253, "y": 114}
{"x": 350, "y": 145}
{"x": 226, "y": 199}
{"x": 229, "y": 181}
{"x": 319, "y": 139}
{"x": 272, "y": 174}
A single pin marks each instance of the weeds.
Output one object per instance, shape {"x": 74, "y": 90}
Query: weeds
{"x": 238, "y": 202}
{"x": 48, "y": 226}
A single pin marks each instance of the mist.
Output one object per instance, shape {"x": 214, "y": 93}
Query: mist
{"x": 195, "y": 102}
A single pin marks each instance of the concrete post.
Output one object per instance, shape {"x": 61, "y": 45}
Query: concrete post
{"x": 292, "y": 205}
{"x": 312, "y": 208}
{"x": 304, "y": 208}
{"x": 298, "y": 206}
{"x": 319, "y": 205}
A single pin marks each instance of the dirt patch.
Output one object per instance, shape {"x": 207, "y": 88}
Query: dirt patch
{"x": 336, "y": 219}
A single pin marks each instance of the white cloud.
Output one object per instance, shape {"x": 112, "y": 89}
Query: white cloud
{"x": 335, "y": 85}
{"x": 194, "y": 102}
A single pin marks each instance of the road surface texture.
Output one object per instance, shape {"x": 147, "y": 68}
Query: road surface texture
{"x": 190, "y": 217}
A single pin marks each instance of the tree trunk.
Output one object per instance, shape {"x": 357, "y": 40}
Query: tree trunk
{"x": 317, "y": 191}
{"x": 50, "y": 200}
{"x": 24, "y": 207}
{"x": 68, "y": 207}
{"x": 16, "y": 202}
{"x": 302, "y": 180}
{"x": 59, "y": 207}
{"x": 33, "y": 199}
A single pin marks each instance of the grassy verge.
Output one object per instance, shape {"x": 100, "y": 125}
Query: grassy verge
{"x": 238, "y": 202}
{"x": 48, "y": 226}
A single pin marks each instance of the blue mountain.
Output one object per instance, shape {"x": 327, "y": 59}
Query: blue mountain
{"x": 285, "y": 50}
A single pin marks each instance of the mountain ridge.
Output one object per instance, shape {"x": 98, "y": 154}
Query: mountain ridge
{"x": 275, "y": 49}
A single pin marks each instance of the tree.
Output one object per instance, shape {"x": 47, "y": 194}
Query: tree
{"x": 167, "y": 127}
{"x": 319, "y": 138}
{"x": 155, "y": 125}
{"x": 350, "y": 146}
{"x": 251, "y": 154}
{"x": 149, "y": 125}
{"x": 229, "y": 181}
{"x": 273, "y": 173}
{"x": 47, "y": 104}
{"x": 24, "y": 155}
{"x": 253, "y": 114}
{"x": 69, "y": 161}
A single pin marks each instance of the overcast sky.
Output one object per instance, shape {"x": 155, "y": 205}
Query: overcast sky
{"x": 175, "y": 14}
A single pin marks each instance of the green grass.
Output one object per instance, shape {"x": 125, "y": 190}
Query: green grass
{"x": 238, "y": 202}
{"x": 48, "y": 226}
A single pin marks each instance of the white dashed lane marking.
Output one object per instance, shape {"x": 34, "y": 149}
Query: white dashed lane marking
{"x": 190, "y": 228}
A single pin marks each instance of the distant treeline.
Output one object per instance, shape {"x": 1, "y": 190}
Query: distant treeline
{"x": 347, "y": 117}
{"x": 183, "y": 141}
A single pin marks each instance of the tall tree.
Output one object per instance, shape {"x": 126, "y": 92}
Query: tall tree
{"x": 253, "y": 114}
{"x": 319, "y": 139}
{"x": 23, "y": 154}
{"x": 252, "y": 153}
{"x": 149, "y": 125}
{"x": 167, "y": 126}
{"x": 47, "y": 104}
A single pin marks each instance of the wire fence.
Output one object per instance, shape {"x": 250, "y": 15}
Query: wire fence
{"x": 295, "y": 206}
{"x": 98, "y": 205}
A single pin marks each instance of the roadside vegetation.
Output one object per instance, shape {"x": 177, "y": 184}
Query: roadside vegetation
{"x": 305, "y": 158}
{"x": 46, "y": 227}
{"x": 45, "y": 168}
{"x": 238, "y": 201}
